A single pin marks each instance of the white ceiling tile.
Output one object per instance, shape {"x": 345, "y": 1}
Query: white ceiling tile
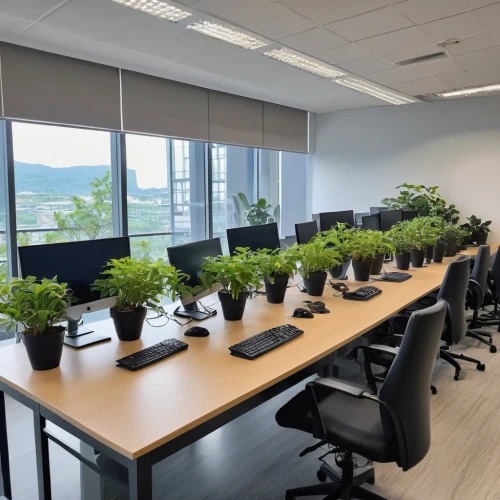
{"x": 476, "y": 4}
{"x": 389, "y": 43}
{"x": 370, "y": 24}
{"x": 496, "y": 35}
{"x": 284, "y": 76}
{"x": 423, "y": 86}
{"x": 452, "y": 27}
{"x": 458, "y": 79}
{"x": 10, "y": 24}
{"x": 413, "y": 52}
{"x": 424, "y": 11}
{"x": 309, "y": 87}
{"x": 313, "y": 41}
{"x": 486, "y": 74}
{"x": 344, "y": 53}
{"x": 232, "y": 10}
{"x": 488, "y": 17}
{"x": 326, "y": 11}
{"x": 27, "y": 9}
{"x": 471, "y": 43}
{"x": 188, "y": 2}
{"x": 367, "y": 65}
{"x": 398, "y": 75}
{"x": 478, "y": 58}
{"x": 439, "y": 66}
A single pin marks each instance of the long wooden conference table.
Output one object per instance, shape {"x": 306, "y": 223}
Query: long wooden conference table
{"x": 140, "y": 418}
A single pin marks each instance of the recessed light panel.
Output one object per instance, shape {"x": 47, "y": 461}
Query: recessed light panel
{"x": 225, "y": 34}
{"x": 304, "y": 63}
{"x": 470, "y": 91}
{"x": 373, "y": 90}
{"x": 156, "y": 8}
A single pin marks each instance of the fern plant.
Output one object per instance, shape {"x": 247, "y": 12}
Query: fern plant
{"x": 137, "y": 284}
{"x": 339, "y": 237}
{"x": 364, "y": 245}
{"x": 382, "y": 242}
{"x": 272, "y": 263}
{"x": 37, "y": 305}
{"x": 315, "y": 256}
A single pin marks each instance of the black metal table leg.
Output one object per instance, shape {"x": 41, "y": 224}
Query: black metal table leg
{"x": 140, "y": 478}
{"x": 5, "y": 487}
{"x": 42, "y": 456}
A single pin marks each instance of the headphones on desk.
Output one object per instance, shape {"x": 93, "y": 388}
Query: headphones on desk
{"x": 316, "y": 307}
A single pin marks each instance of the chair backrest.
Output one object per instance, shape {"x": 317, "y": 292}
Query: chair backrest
{"x": 495, "y": 274}
{"x": 306, "y": 231}
{"x": 453, "y": 291}
{"x": 481, "y": 267}
{"x": 407, "y": 421}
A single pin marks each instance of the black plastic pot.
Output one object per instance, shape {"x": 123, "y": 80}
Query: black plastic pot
{"x": 417, "y": 257}
{"x": 128, "y": 324}
{"x": 403, "y": 261}
{"x": 362, "y": 269}
{"x": 233, "y": 309}
{"x": 428, "y": 255}
{"x": 45, "y": 351}
{"x": 315, "y": 284}
{"x": 276, "y": 291}
{"x": 450, "y": 249}
{"x": 438, "y": 253}
{"x": 341, "y": 270}
{"x": 378, "y": 263}
{"x": 481, "y": 238}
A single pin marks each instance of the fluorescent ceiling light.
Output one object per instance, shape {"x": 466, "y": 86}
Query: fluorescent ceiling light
{"x": 156, "y": 8}
{"x": 373, "y": 90}
{"x": 474, "y": 90}
{"x": 225, "y": 34}
{"x": 304, "y": 63}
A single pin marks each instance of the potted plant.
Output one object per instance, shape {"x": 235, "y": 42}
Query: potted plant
{"x": 339, "y": 237}
{"x": 479, "y": 230}
{"x": 275, "y": 267}
{"x": 237, "y": 274}
{"x": 383, "y": 245}
{"x": 137, "y": 285}
{"x": 39, "y": 306}
{"x": 402, "y": 243}
{"x": 364, "y": 250}
{"x": 315, "y": 258}
{"x": 429, "y": 234}
{"x": 422, "y": 234}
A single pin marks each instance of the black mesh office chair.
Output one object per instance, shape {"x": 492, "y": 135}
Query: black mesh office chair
{"x": 306, "y": 231}
{"x": 478, "y": 295}
{"x": 393, "y": 427}
{"x": 492, "y": 318}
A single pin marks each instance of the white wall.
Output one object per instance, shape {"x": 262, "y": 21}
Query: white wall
{"x": 362, "y": 154}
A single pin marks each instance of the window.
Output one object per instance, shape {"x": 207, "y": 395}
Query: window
{"x": 63, "y": 183}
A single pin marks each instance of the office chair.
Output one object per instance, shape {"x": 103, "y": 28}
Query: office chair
{"x": 306, "y": 231}
{"x": 492, "y": 318}
{"x": 391, "y": 427}
{"x": 478, "y": 295}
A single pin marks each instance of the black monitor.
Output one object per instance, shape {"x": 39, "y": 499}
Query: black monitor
{"x": 409, "y": 214}
{"x": 306, "y": 231}
{"x": 79, "y": 264}
{"x": 376, "y": 210}
{"x": 358, "y": 217}
{"x": 329, "y": 219}
{"x": 188, "y": 258}
{"x": 388, "y": 218}
{"x": 254, "y": 237}
{"x": 370, "y": 222}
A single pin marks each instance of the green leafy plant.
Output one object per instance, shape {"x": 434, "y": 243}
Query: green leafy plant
{"x": 452, "y": 233}
{"x": 338, "y": 237}
{"x": 37, "y": 305}
{"x": 400, "y": 237}
{"x": 253, "y": 214}
{"x": 236, "y": 274}
{"x": 272, "y": 263}
{"x": 423, "y": 232}
{"x": 315, "y": 256}
{"x": 476, "y": 225}
{"x": 382, "y": 242}
{"x": 137, "y": 284}
{"x": 364, "y": 244}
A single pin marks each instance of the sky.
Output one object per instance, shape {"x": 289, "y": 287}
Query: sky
{"x": 61, "y": 147}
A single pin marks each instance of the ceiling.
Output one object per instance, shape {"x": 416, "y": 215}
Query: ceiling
{"x": 363, "y": 37}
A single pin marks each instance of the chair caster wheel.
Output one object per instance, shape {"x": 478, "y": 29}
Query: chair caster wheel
{"x": 371, "y": 481}
{"x": 481, "y": 367}
{"x": 493, "y": 348}
{"x": 321, "y": 476}
{"x": 434, "y": 390}
{"x": 456, "y": 377}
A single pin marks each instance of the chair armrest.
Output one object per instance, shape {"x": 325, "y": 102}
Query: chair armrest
{"x": 382, "y": 348}
{"x": 336, "y": 384}
{"x": 476, "y": 289}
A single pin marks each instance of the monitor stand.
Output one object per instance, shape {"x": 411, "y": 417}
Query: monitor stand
{"x": 78, "y": 336}
{"x": 192, "y": 311}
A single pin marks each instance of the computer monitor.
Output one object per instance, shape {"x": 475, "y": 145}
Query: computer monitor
{"x": 388, "y": 218}
{"x": 409, "y": 214}
{"x": 370, "y": 222}
{"x": 358, "y": 218}
{"x": 188, "y": 258}
{"x": 261, "y": 237}
{"x": 329, "y": 219}
{"x": 306, "y": 231}
{"x": 79, "y": 264}
{"x": 376, "y": 210}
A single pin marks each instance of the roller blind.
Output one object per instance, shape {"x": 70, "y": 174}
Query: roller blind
{"x": 235, "y": 120}
{"x": 153, "y": 105}
{"x": 285, "y": 128}
{"x": 47, "y": 87}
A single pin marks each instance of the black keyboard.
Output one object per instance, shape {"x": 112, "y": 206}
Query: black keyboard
{"x": 264, "y": 342}
{"x": 363, "y": 293}
{"x": 395, "y": 277}
{"x": 150, "y": 355}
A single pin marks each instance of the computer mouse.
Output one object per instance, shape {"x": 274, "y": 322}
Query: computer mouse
{"x": 197, "y": 331}
{"x": 300, "y": 312}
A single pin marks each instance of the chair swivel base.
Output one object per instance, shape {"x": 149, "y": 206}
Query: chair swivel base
{"x": 478, "y": 335}
{"x": 333, "y": 491}
{"x": 361, "y": 475}
{"x": 451, "y": 357}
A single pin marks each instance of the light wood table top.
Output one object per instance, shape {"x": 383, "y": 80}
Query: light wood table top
{"x": 472, "y": 251}
{"x": 135, "y": 412}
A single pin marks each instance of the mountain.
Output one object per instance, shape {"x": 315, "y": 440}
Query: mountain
{"x": 36, "y": 178}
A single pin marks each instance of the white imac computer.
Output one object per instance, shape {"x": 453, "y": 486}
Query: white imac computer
{"x": 79, "y": 264}
{"x": 188, "y": 258}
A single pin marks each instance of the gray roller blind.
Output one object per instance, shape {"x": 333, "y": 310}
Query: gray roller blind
{"x": 51, "y": 88}
{"x": 163, "y": 107}
{"x": 235, "y": 120}
{"x": 285, "y": 128}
